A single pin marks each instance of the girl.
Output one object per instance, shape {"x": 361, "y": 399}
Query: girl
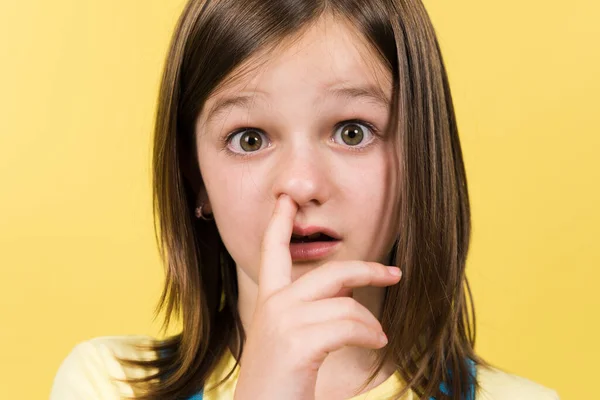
{"x": 315, "y": 143}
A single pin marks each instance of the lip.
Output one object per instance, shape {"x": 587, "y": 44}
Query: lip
{"x": 312, "y": 250}
{"x": 309, "y": 230}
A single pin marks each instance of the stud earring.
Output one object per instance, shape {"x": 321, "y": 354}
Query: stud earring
{"x": 200, "y": 214}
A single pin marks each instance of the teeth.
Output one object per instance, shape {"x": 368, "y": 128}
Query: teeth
{"x": 314, "y": 236}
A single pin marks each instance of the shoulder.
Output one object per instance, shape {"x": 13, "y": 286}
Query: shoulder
{"x": 499, "y": 385}
{"x": 92, "y": 371}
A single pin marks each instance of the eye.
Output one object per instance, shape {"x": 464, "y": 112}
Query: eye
{"x": 247, "y": 141}
{"x": 354, "y": 133}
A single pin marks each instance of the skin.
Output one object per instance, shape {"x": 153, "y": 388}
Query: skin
{"x": 326, "y": 182}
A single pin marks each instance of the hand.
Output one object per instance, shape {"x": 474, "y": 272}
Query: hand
{"x": 297, "y": 324}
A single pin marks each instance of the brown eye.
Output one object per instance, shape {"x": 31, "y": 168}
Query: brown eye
{"x": 251, "y": 141}
{"x": 247, "y": 141}
{"x": 353, "y": 134}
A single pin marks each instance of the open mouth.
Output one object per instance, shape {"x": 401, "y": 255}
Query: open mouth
{"x": 312, "y": 243}
{"x": 315, "y": 237}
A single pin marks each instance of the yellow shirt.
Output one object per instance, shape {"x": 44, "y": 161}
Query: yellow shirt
{"x": 91, "y": 371}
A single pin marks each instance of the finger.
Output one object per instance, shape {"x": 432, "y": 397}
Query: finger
{"x": 336, "y": 308}
{"x": 319, "y": 340}
{"x": 328, "y": 280}
{"x": 276, "y": 262}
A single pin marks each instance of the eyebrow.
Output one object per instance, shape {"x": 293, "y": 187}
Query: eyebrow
{"x": 223, "y": 104}
{"x": 369, "y": 92}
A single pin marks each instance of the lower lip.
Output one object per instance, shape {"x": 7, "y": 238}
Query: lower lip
{"x": 312, "y": 250}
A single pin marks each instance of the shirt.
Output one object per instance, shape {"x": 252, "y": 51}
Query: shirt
{"x": 91, "y": 371}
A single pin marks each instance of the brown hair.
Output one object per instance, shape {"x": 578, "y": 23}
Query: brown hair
{"x": 428, "y": 320}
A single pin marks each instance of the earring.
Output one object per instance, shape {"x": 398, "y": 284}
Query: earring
{"x": 200, "y": 214}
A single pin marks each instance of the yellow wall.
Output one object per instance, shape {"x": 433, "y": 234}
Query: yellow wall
{"x": 78, "y": 82}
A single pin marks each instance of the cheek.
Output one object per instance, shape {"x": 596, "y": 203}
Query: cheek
{"x": 366, "y": 183}
{"x": 237, "y": 201}
{"x": 368, "y": 197}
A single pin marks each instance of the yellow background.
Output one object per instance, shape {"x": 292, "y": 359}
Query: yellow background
{"x": 78, "y": 82}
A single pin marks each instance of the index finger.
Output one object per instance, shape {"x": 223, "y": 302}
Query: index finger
{"x": 276, "y": 262}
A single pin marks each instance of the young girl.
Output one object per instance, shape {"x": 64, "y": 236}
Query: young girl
{"x": 313, "y": 213}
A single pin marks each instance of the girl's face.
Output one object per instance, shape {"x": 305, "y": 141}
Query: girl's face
{"x": 308, "y": 122}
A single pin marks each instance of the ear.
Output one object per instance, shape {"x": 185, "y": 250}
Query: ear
{"x": 191, "y": 172}
{"x": 202, "y": 198}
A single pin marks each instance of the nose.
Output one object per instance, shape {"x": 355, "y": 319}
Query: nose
{"x": 303, "y": 173}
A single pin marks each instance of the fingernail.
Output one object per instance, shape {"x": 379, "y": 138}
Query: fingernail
{"x": 394, "y": 271}
{"x": 383, "y": 338}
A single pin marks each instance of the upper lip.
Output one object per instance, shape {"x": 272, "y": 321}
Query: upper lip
{"x": 309, "y": 230}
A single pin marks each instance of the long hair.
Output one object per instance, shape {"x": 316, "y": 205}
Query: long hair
{"x": 428, "y": 318}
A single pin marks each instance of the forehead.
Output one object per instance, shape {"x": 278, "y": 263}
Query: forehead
{"x": 327, "y": 56}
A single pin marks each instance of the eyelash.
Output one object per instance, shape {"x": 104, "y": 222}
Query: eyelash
{"x": 374, "y": 131}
